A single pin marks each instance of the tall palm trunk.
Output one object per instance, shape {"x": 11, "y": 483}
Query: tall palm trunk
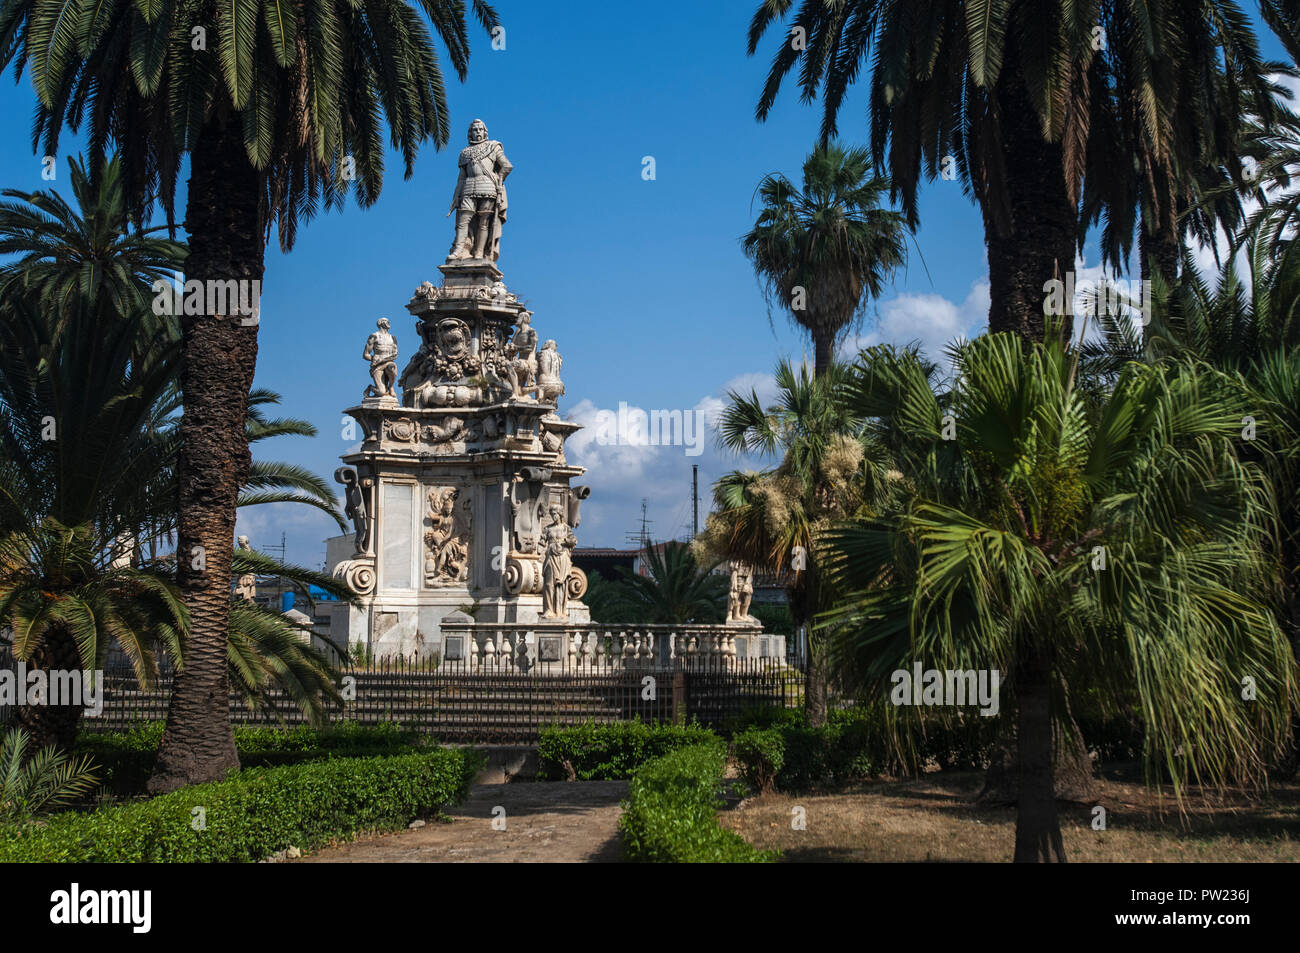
{"x": 1034, "y": 241}
{"x": 218, "y": 353}
{"x": 48, "y": 724}
{"x": 803, "y": 607}
{"x": 823, "y": 353}
{"x": 1160, "y": 249}
{"x": 1038, "y": 835}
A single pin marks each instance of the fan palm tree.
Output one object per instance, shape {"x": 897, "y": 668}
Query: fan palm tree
{"x": 825, "y": 250}
{"x": 675, "y": 587}
{"x": 279, "y": 106}
{"x": 1119, "y": 548}
{"x": 1247, "y": 326}
{"x": 1025, "y": 101}
{"x": 774, "y": 519}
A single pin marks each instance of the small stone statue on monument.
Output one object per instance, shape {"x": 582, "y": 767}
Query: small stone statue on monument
{"x": 480, "y": 198}
{"x": 557, "y": 542}
{"x": 246, "y": 584}
{"x": 381, "y": 352}
{"x": 549, "y": 362}
{"x": 742, "y": 591}
{"x": 523, "y": 356}
{"x": 354, "y": 507}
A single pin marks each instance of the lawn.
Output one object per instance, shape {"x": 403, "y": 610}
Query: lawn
{"x": 935, "y": 819}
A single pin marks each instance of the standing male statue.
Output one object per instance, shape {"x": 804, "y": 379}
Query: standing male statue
{"x": 742, "y": 592}
{"x": 381, "y": 352}
{"x": 480, "y": 199}
{"x": 523, "y": 356}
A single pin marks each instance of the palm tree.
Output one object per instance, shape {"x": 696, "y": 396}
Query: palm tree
{"x": 88, "y": 449}
{"x": 278, "y": 107}
{"x": 1024, "y": 102}
{"x": 1249, "y": 327}
{"x": 1120, "y": 548}
{"x": 36, "y": 785}
{"x": 85, "y": 249}
{"x": 824, "y": 251}
{"x": 675, "y": 588}
{"x": 76, "y": 513}
{"x": 774, "y": 519}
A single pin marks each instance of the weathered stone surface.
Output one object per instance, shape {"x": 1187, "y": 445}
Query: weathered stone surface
{"x": 453, "y": 488}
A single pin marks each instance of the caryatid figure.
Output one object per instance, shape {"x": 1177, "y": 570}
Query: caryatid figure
{"x": 480, "y": 199}
{"x": 381, "y": 352}
{"x": 557, "y": 543}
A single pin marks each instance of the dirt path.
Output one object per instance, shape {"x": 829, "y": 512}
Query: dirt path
{"x": 553, "y": 822}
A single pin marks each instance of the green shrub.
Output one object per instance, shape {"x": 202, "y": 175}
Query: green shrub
{"x": 761, "y": 754}
{"x": 868, "y": 741}
{"x": 610, "y": 752}
{"x": 670, "y": 815}
{"x": 125, "y": 759}
{"x": 253, "y": 813}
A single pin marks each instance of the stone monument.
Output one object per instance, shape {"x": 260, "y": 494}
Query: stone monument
{"x": 460, "y": 494}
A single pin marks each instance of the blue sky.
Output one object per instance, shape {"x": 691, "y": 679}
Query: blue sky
{"x": 641, "y": 283}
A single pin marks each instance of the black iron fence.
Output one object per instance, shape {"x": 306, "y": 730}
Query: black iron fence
{"x": 455, "y": 702}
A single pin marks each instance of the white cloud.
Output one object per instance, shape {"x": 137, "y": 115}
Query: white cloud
{"x": 631, "y": 455}
{"x": 930, "y": 320}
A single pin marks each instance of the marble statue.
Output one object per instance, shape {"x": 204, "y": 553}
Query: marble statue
{"x": 447, "y": 542}
{"x": 549, "y": 385}
{"x": 557, "y": 542}
{"x": 742, "y": 591}
{"x": 124, "y": 546}
{"x": 246, "y": 585}
{"x": 479, "y": 202}
{"x": 354, "y": 507}
{"x": 523, "y": 356}
{"x": 381, "y": 352}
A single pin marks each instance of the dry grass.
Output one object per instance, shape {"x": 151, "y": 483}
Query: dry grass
{"x": 935, "y": 819}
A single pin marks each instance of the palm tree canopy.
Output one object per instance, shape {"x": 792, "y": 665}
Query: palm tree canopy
{"x": 826, "y": 248}
{"x": 86, "y": 248}
{"x": 676, "y": 588}
{"x": 1167, "y": 80}
{"x": 313, "y": 86}
{"x": 1124, "y": 544}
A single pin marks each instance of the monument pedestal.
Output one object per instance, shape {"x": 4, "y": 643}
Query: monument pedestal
{"x": 465, "y": 484}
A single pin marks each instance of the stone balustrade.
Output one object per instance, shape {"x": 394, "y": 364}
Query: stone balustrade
{"x": 564, "y": 647}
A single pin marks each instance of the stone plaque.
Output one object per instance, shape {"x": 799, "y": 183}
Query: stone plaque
{"x": 453, "y": 648}
{"x": 549, "y": 648}
{"x": 742, "y": 647}
{"x": 764, "y": 648}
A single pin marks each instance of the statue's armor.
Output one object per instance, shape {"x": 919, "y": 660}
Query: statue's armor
{"x": 479, "y": 163}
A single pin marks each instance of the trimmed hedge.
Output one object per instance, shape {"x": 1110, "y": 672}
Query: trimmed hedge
{"x": 125, "y": 759}
{"x": 610, "y": 752}
{"x": 670, "y": 815}
{"x": 855, "y": 744}
{"x": 253, "y": 813}
{"x": 760, "y": 754}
